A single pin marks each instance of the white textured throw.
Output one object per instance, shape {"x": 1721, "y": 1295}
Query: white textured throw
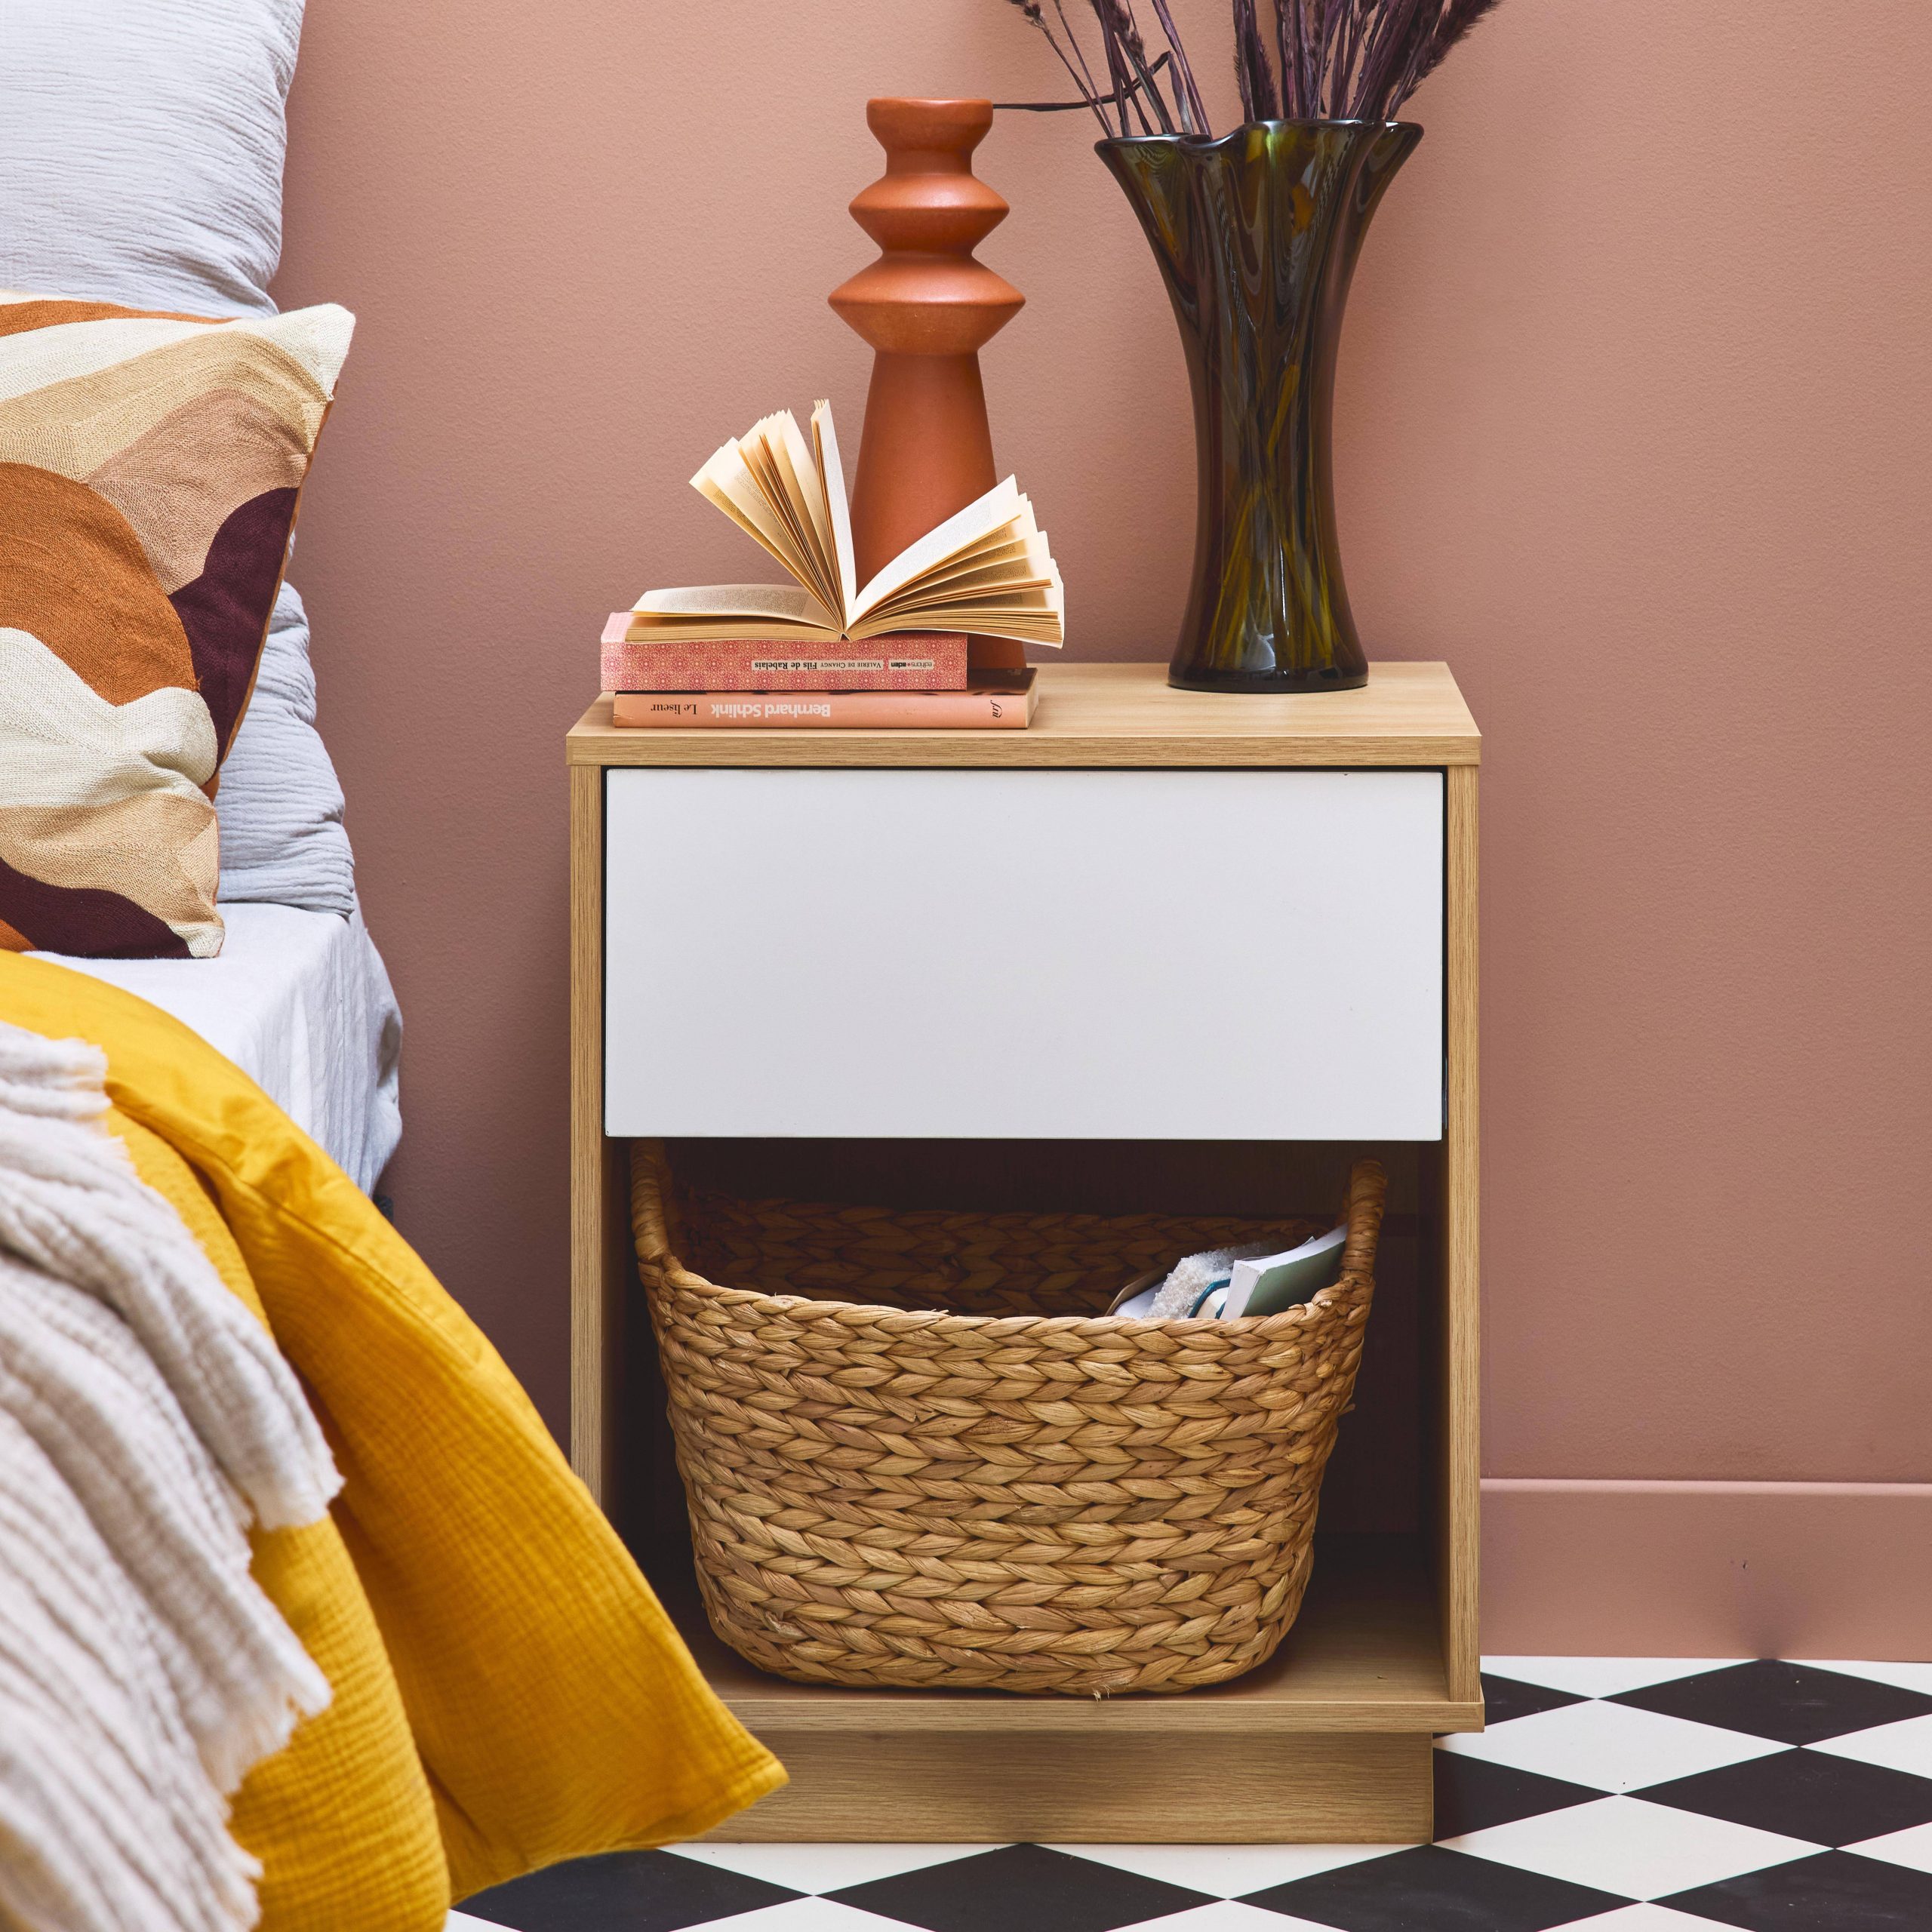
{"x": 146, "y": 1418}
{"x": 1178, "y": 1293}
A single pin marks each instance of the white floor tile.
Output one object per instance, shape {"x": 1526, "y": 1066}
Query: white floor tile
{"x": 809, "y": 1915}
{"x": 1601, "y": 1677}
{"x": 1622, "y": 1844}
{"x": 1228, "y": 1915}
{"x": 824, "y": 1867}
{"x": 1900, "y": 1747}
{"x": 1640, "y": 1918}
{"x": 1228, "y": 1871}
{"x": 1905, "y": 1676}
{"x": 1611, "y": 1747}
{"x": 1912, "y": 1847}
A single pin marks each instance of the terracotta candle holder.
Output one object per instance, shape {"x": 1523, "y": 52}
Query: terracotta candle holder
{"x": 927, "y": 307}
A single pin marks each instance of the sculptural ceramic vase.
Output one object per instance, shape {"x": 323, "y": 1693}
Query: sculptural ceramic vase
{"x": 1257, "y": 235}
{"x": 927, "y": 308}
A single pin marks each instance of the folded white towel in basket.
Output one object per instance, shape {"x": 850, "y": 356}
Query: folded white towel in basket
{"x": 146, "y": 1418}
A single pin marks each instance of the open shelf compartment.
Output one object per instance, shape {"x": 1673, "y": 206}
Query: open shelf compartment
{"x": 1329, "y": 1741}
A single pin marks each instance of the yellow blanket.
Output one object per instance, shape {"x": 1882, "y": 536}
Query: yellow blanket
{"x": 507, "y": 1691}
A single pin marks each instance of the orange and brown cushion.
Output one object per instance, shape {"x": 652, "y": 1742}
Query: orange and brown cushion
{"x": 150, "y": 465}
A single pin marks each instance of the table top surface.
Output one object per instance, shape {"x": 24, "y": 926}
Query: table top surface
{"x": 1408, "y": 714}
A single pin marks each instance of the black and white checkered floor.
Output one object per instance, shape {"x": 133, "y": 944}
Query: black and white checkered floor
{"x": 1621, "y": 1794}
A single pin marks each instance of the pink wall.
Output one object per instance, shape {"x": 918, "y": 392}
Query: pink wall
{"x": 1635, "y": 431}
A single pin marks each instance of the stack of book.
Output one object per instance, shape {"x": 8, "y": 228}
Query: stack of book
{"x": 823, "y": 651}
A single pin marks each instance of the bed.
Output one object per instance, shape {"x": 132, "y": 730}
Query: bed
{"x": 299, "y": 1001}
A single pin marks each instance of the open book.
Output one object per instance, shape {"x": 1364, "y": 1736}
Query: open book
{"x": 985, "y": 570}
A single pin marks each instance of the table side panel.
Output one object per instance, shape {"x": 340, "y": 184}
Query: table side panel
{"x": 1460, "y": 1463}
{"x": 596, "y": 1233}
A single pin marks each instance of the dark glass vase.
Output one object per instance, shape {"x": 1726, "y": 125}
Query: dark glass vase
{"x": 1257, "y": 234}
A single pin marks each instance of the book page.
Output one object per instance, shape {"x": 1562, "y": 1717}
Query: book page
{"x": 1038, "y": 616}
{"x": 1037, "y": 610}
{"x": 1026, "y": 565}
{"x": 755, "y": 452}
{"x": 1030, "y": 621}
{"x": 782, "y": 466}
{"x": 991, "y": 556}
{"x": 727, "y": 483}
{"x": 762, "y": 463}
{"x": 941, "y": 603}
{"x": 1007, "y": 590}
{"x": 831, "y": 481}
{"x": 1002, "y": 505}
{"x": 778, "y": 603}
{"x": 980, "y": 556}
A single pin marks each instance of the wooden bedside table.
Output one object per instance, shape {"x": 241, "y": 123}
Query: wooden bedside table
{"x": 1156, "y": 921}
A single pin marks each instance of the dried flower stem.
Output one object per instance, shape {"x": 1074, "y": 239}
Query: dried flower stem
{"x": 1330, "y": 60}
{"x": 1031, "y": 12}
{"x": 1073, "y": 40}
{"x": 1136, "y": 54}
{"x": 1193, "y": 109}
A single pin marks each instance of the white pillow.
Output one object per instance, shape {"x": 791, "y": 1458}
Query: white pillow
{"x": 141, "y": 143}
{"x": 141, "y": 146}
{"x": 280, "y": 804}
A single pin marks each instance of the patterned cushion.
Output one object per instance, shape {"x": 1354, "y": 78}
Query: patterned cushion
{"x": 150, "y": 465}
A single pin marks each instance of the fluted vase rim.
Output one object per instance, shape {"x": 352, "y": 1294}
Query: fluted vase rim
{"x": 1208, "y": 143}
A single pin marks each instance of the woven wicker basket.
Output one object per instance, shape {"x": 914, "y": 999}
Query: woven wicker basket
{"x": 1019, "y": 1492}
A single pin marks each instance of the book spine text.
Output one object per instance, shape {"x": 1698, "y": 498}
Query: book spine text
{"x": 878, "y": 711}
{"x": 909, "y": 661}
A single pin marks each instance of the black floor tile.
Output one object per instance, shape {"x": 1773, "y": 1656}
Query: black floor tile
{"x": 1472, "y": 1793}
{"x": 1020, "y": 1888}
{"x": 1836, "y": 1892}
{"x": 626, "y": 1891}
{"x": 1505, "y": 1698}
{"x": 1795, "y": 1703}
{"x": 1429, "y": 1890}
{"x": 1805, "y": 1795}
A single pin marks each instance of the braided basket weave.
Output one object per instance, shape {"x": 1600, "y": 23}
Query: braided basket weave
{"x": 1018, "y": 1493}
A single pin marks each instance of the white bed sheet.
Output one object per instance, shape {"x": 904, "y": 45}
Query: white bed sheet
{"x": 301, "y": 1002}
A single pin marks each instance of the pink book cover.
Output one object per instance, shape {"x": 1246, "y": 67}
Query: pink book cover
{"x": 996, "y": 701}
{"x": 905, "y": 661}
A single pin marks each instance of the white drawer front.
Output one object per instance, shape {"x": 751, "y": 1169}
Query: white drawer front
{"x": 1031, "y": 954}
